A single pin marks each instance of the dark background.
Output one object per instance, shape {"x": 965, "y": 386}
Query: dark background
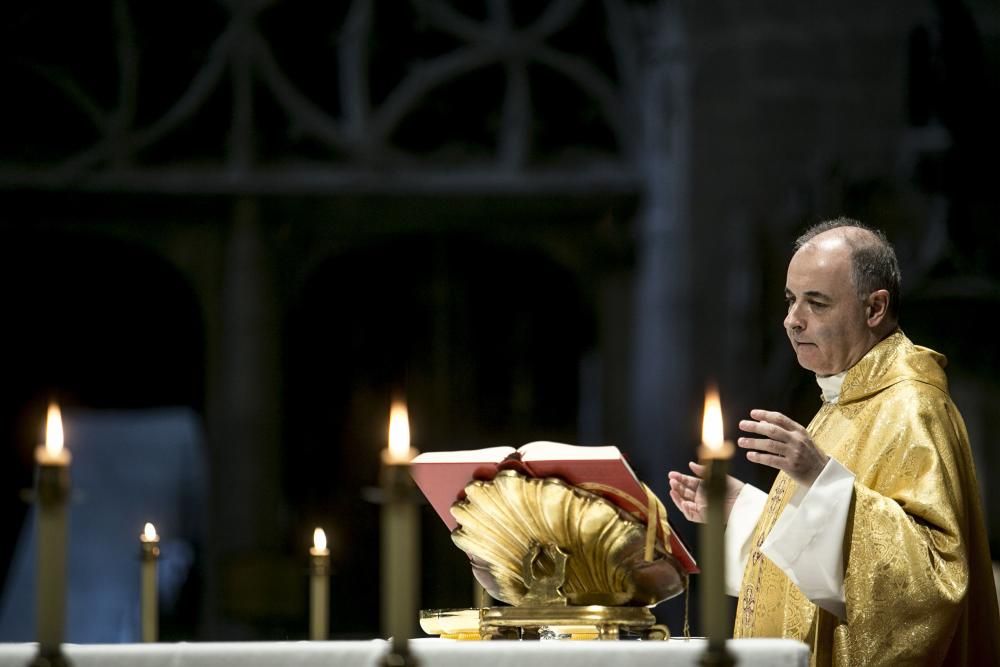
{"x": 555, "y": 220}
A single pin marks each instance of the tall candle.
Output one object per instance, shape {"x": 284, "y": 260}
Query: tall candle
{"x": 400, "y": 540}
{"x": 149, "y": 607}
{"x": 714, "y": 454}
{"x": 319, "y": 587}
{"x": 53, "y": 487}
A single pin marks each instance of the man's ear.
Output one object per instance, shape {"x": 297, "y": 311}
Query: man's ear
{"x": 878, "y": 308}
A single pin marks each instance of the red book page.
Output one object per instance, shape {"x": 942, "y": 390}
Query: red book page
{"x": 682, "y": 553}
{"x": 442, "y": 483}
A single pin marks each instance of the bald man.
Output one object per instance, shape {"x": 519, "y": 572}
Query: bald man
{"x": 870, "y": 546}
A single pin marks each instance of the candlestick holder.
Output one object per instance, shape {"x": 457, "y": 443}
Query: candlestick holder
{"x": 717, "y": 657}
{"x": 57, "y": 659}
{"x": 399, "y": 654}
{"x": 53, "y": 490}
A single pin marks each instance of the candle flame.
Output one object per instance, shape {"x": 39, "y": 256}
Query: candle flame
{"x": 711, "y": 425}
{"x": 319, "y": 539}
{"x": 399, "y": 432}
{"x": 149, "y": 532}
{"x": 53, "y": 430}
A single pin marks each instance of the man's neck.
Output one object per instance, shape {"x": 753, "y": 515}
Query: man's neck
{"x": 830, "y": 386}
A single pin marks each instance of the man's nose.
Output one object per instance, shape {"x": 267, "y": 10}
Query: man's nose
{"x": 792, "y": 319}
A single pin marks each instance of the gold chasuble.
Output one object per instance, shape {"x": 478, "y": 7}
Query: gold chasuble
{"x": 918, "y": 580}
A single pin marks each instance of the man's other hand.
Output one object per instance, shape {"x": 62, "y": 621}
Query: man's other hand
{"x": 688, "y": 493}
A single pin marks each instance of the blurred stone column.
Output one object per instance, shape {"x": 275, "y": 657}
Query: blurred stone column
{"x": 245, "y": 429}
{"x": 662, "y": 384}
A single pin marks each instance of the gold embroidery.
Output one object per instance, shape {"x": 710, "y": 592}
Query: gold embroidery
{"x": 915, "y": 539}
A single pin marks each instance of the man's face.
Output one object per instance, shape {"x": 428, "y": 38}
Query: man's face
{"x": 826, "y": 320}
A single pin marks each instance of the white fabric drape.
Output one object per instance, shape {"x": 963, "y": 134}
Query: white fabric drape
{"x": 807, "y": 540}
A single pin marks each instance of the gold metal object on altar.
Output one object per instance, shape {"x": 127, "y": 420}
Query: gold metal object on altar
{"x": 570, "y": 563}
{"x": 577, "y": 623}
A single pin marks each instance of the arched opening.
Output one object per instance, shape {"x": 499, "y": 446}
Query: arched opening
{"x": 103, "y": 323}
{"x": 485, "y": 340}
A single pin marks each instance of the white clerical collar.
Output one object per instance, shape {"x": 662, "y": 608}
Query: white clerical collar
{"x": 830, "y": 386}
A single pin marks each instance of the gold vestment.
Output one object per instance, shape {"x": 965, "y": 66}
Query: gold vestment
{"x": 918, "y": 580}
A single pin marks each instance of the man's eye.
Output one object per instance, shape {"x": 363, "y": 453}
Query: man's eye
{"x": 816, "y": 305}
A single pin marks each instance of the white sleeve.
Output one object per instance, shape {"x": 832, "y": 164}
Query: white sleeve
{"x": 807, "y": 541}
{"x": 743, "y": 518}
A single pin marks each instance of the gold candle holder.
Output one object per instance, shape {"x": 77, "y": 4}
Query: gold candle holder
{"x": 149, "y": 606}
{"x": 480, "y": 598}
{"x": 52, "y": 494}
{"x": 319, "y": 587}
{"x": 400, "y": 553}
{"x": 714, "y": 454}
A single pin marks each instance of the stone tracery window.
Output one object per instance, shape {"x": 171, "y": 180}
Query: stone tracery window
{"x": 502, "y": 85}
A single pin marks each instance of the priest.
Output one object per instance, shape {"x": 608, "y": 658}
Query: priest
{"x": 870, "y": 546}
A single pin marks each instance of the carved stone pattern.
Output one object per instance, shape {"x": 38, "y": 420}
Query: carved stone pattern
{"x": 358, "y": 135}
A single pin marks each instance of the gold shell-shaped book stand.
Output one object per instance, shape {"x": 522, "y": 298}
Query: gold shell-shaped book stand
{"x": 540, "y": 542}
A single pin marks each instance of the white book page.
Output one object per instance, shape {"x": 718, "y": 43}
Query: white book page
{"x": 543, "y": 450}
{"x": 487, "y": 455}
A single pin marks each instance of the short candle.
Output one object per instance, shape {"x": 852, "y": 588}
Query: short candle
{"x": 319, "y": 587}
{"x": 149, "y": 606}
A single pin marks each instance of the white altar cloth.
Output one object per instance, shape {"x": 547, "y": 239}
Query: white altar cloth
{"x": 431, "y": 653}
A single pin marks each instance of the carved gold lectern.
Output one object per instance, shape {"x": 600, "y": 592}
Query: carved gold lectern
{"x": 569, "y": 562}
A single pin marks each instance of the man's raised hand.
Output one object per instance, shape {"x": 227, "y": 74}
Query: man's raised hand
{"x": 784, "y": 444}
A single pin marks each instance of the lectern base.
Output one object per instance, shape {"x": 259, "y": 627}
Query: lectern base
{"x": 550, "y": 622}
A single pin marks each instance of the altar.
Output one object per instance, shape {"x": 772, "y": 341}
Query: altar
{"x": 430, "y": 652}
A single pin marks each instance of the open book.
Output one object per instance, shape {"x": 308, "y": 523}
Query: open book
{"x": 443, "y": 476}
